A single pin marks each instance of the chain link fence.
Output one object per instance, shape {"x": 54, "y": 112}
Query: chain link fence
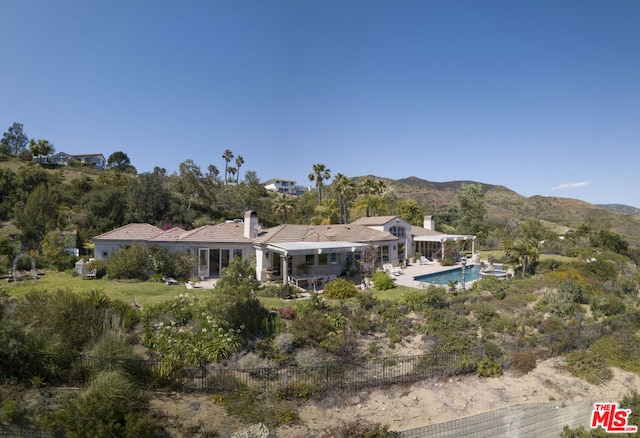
{"x": 530, "y": 420}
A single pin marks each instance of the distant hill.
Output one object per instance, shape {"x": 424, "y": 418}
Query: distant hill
{"x": 506, "y": 207}
{"x": 621, "y": 208}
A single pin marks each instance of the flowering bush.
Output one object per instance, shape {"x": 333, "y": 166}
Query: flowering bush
{"x": 287, "y": 313}
{"x": 211, "y": 342}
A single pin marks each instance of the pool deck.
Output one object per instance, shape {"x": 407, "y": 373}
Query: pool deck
{"x": 406, "y": 277}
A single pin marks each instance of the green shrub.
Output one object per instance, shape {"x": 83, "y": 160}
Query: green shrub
{"x": 489, "y": 368}
{"x": 10, "y": 410}
{"x": 367, "y": 300}
{"x": 621, "y": 349}
{"x": 588, "y": 366}
{"x": 174, "y": 265}
{"x": 340, "y": 289}
{"x": 491, "y": 350}
{"x": 632, "y": 401}
{"x": 496, "y": 286}
{"x": 110, "y": 406}
{"x": 420, "y": 299}
{"x": 361, "y": 429}
{"x": 130, "y": 263}
{"x": 250, "y": 406}
{"x": 382, "y": 281}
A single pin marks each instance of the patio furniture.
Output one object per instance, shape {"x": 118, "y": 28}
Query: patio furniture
{"x": 169, "y": 281}
{"x": 90, "y": 275}
{"x": 391, "y": 270}
{"x": 425, "y": 261}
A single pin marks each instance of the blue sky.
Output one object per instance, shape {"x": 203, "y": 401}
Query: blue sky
{"x": 540, "y": 96}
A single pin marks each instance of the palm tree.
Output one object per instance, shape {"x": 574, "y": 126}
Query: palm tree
{"x": 239, "y": 163}
{"x": 325, "y": 213}
{"x": 344, "y": 188}
{"x": 232, "y": 171}
{"x": 371, "y": 199}
{"x": 227, "y": 156}
{"x": 319, "y": 174}
{"x": 522, "y": 251}
{"x": 282, "y": 207}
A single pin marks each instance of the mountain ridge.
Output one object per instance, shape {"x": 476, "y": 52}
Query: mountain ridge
{"x": 506, "y": 207}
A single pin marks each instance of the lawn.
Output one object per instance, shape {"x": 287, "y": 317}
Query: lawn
{"x": 144, "y": 292}
{"x": 147, "y": 292}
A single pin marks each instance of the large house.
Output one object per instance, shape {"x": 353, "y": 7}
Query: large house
{"x": 281, "y": 185}
{"x": 63, "y": 159}
{"x": 295, "y": 253}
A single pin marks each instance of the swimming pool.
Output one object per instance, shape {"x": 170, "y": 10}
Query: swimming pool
{"x": 471, "y": 272}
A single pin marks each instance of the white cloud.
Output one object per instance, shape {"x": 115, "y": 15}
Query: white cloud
{"x": 576, "y": 185}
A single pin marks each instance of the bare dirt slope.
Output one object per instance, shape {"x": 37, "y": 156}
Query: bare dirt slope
{"x": 405, "y": 407}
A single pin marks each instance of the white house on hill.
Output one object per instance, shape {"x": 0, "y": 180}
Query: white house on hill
{"x": 293, "y": 253}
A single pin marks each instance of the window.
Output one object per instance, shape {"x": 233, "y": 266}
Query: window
{"x": 398, "y": 232}
{"x": 384, "y": 253}
{"x": 333, "y": 258}
{"x": 310, "y": 259}
{"x": 323, "y": 259}
{"x": 237, "y": 253}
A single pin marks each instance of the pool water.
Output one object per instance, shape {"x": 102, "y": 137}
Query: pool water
{"x": 471, "y": 272}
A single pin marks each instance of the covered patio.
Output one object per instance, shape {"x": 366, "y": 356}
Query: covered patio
{"x": 309, "y": 265}
{"x": 431, "y": 246}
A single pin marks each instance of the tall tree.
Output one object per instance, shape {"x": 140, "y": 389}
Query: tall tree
{"x": 239, "y": 163}
{"x": 190, "y": 182}
{"x": 371, "y": 198}
{"x": 14, "y": 140}
{"x": 40, "y": 147}
{"x": 105, "y": 207}
{"x": 282, "y": 206}
{"x": 119, "y": 161}
{"x": 39, "y": 216}
{"x": 344, "y": 188}
{"x": 319, "y": 174}
{"x": 469, "y": 212}
{"x": 232, "y": 172}
{"x": 410, "y": 210}
{"x": 148, "y": 199}
{"x": 227, "y": 156}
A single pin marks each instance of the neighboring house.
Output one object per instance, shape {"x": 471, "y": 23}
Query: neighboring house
{"x": 290, "y": 252}
{"x": 62, "y": 159}
{"x": 280, "y": 185}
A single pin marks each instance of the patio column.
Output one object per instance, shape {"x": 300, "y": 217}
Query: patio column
{"x": 285, "y": 269}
